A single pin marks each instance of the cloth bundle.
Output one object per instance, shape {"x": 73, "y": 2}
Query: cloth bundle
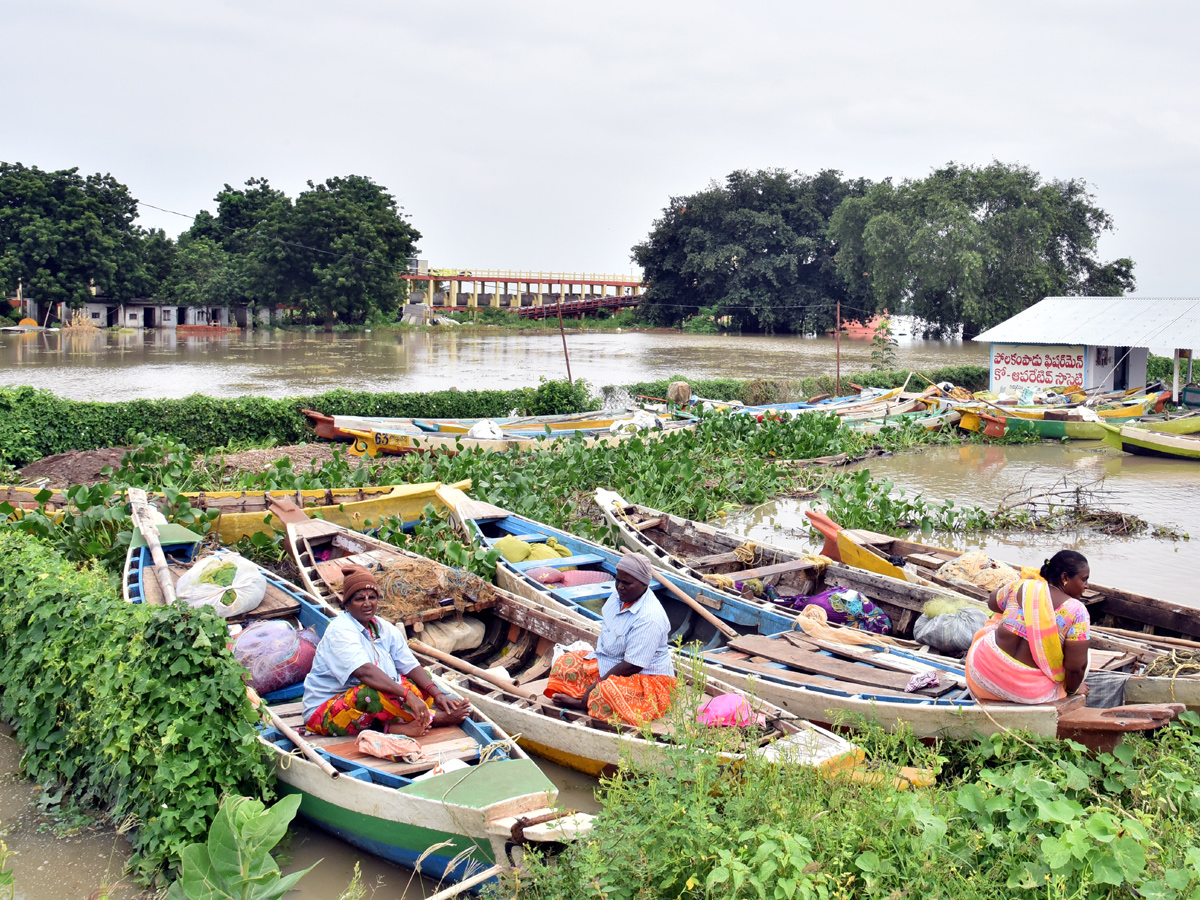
{"x": 227, "y": 582}
{"x": 729, "y": 710}
{"x": 515, "y": 550}
{"x": 394, "y": 747}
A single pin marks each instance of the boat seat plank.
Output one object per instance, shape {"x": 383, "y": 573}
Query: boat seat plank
{"x": 794, "y": 565}
{"x": 819, "y": 664}
{"x": 741, "y": 663}
{"x": 583, "y": 559}
{"x": 583, "y": 592}
{"x": 276, "y": 604}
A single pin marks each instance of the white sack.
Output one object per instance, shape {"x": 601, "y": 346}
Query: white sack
{"x": 227, "y": 582}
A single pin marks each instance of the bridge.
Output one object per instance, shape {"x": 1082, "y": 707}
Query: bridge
{"x": 528, "y": 293}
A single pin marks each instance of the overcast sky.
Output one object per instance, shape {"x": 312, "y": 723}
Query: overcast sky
{"x": 550, "y": 135}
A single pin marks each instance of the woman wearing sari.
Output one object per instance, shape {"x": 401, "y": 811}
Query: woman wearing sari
{"x": 629, "y": 676}
{"x": 1038, "y": 650}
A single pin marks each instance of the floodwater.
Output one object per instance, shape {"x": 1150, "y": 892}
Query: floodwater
{"x": 1161, "y": 491}
{"x": 276, "y": 363}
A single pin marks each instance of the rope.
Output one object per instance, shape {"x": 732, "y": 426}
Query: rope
{"x": 746, "y": 553}
{"x": 814, "y": 622}
{"x": 723, "y": 582}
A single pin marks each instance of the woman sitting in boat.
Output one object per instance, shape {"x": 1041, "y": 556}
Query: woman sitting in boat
{"x": 1038, "y": 651}
{"x": 364, "y": 676}
{"x": 629, "y": 676}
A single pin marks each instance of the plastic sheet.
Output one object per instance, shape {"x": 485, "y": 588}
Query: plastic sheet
{"x": 275, "y": 653}
{"x": 227, "y": 582}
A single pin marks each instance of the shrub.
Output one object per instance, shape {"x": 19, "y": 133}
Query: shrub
{"x": 136, "y": 710}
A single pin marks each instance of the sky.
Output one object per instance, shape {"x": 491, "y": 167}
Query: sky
{"x": 549, "y": 136}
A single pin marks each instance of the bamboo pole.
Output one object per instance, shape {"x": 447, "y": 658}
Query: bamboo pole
{"x": 705, "y": 614}
{"x": 467, "y": 883}
{"x": 455, "y": 663}
{"x": 143, "y": 520}
{"x": 563, "y": 332}
{"x": 292, "y": 735}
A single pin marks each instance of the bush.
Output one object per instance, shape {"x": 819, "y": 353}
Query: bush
{"x": 137, "y": 710}
{"x": 36, "y": 423}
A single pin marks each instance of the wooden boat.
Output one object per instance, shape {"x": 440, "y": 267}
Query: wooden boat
{"x": 929, "y": 419}
{"x": 373, "y": 436}
{"x": 1143, "y": 442}
{"x": 765, "y": 636}
{"x": 243, "y": 513}
{"x": 463, "y": 820}
{"x": 1109, "y": 606}
{"x": 504, "y": 676}
{"x": 696, "y": 550}
{"x": 1053, "y": 422}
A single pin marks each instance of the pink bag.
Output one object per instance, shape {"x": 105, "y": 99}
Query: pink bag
{"x": 729, "y": 709}
{"x": 396, "y": 747}
{"x": 583, "y": 576}
{"x": 545, "y": 575}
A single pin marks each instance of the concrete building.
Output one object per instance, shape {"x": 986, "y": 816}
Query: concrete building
{"x": 1101, "y": 343}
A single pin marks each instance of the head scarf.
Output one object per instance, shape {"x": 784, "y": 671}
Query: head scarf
{"x": 635, "y": 564}
{"x": 355, "y": 579}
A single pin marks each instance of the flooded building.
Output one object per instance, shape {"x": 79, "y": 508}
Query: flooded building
{"x": 1101, "y": 343}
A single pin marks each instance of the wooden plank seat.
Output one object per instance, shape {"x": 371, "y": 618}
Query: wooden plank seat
{"x": 582, "y": 592}
{"x": 583, "y": 559}
{"x": 743, "y": 663}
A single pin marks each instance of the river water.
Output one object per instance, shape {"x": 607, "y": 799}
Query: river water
{"x": 276, "y": 363}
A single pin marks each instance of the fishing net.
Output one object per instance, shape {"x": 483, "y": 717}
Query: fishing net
{"x": 276, "y": 654}
{"x": 1178, "y": 662}
{"x": 408, "y": 587}
{"x": 977, "y": 569}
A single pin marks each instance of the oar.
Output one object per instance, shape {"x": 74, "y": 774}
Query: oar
{"x": 292, "y": 735}
{"x": 707, "y": 616}
{"x": 465, "y": 667}
{"x": 143, "y": 521}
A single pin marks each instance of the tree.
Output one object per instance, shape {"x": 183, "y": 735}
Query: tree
{"x": 756, "y": 249}
{"x": 338, "y": 250}
{"x": 203, "y": 274}
{"x": 62, "y": 233}
{"x": 972, "y": 246}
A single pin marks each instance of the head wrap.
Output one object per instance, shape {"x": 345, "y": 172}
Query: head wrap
{"x": 355, "y": 579}
{"x": 635, "y": 564}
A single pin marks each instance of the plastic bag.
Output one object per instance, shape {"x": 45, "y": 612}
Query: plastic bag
{"x": 641, "y": 421}
{"x": 227, "y": 582}
{"x": 486, "y": 430}
{"x": 276, "y": 654}
{"x": 950, "y": 632}
{"x": 449, "y": 635}
{"x": 396, "y": 747}
{"x": 729, "y": 709}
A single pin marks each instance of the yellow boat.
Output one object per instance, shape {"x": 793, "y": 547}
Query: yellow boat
{"x": 244, "y": 513}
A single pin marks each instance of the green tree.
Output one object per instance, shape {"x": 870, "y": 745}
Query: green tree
{"x": 61, "y": 233}
{"x": 337, "y": 250}
{"x": 971, "y": 246}
{"x": 756, "y": 249}
{"x": 203, "y": 274}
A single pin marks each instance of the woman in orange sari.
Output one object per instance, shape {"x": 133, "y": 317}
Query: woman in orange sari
{"x": 1038, "y": 651}
{"x": 629, "y": 676}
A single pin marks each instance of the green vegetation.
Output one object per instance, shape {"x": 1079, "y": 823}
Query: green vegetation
{"x": 235, "y": 862}
{"x": 1016, "y": 816}
{"x": 35, "y": 423}
{"x": 138, "y": 711}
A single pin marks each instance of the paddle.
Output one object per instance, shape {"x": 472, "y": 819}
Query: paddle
{"x": 143, "y": 515}
{"x": 292, "y": 735}
{"x": 707, "y": 616}
{"x": 453, "y": 662}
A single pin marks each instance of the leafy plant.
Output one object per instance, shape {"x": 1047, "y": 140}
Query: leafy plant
{"x": 235, "y": 862}
{"x": 883, "y": 346}
{"x": 433, "y": 536}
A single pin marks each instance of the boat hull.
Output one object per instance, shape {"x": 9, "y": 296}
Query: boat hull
{"x": 1157, "y": 444}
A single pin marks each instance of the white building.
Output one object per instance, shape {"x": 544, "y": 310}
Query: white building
{"x": 1100, "y": 343}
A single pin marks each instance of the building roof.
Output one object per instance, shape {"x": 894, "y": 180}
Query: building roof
{"x": 1160, "y": 323}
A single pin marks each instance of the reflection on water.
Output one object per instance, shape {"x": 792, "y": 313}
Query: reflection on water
{"x": 109, "y": 366}
{"x": 1164, "y": 492}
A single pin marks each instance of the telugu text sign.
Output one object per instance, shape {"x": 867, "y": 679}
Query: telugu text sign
{"x": 1037, "y": 366}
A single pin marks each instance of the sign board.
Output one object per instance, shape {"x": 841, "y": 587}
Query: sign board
{"x": 1038, "y": 366}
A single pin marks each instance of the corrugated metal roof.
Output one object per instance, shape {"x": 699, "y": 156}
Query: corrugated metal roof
{"x": 1160, "y": 323}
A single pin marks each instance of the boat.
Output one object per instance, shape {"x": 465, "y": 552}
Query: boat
{"x": 763, "y": 636}
{"x": 505, "y": 673}
{"x": 1143, "y": 442}
{"x": 1055, "y": 422}
{"x": 909, "y": 560}
{"x": 929, "y": 419}
{"x": 698, "y": 551}
{"x": 243, "y": 513}
{"x": 455, "y": 823}
{"x": 373, "y": 435}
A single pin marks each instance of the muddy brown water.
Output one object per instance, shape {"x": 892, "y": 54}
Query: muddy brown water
{"x": 275, "y": 363}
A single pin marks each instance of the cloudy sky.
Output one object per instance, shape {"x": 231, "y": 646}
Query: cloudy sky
{"x": 550, "y": 135}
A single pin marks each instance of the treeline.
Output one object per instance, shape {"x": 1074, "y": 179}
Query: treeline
{"x": 334, "y": 251}
{"x": 965, "y": 248}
